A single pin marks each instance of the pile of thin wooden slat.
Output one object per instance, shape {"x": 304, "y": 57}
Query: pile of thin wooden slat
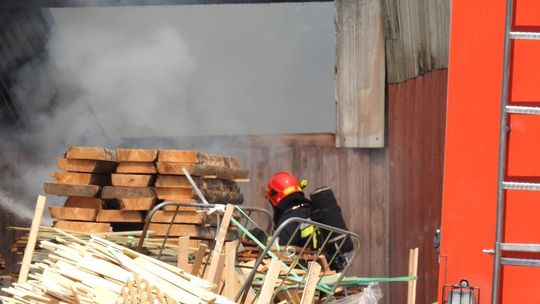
{"x": 100, "y": 271}
{"x": 111, "y": 190}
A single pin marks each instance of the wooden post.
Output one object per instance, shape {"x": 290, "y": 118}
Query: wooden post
{"x": 32, "y": 238}
{"x": 312, "y": 279}
{"x": 220, "y": 239}
{"x": 413, "y": 271}
{"x": 198, "y": 259}
{"x": 265, "y": 296}
{"x": 183, "y": 254}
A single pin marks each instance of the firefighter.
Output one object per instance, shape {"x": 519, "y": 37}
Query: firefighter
{"x": 285, "y": 194}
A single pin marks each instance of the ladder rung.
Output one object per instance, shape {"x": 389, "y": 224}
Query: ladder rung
{"x": 520, "y": 247}
{"x": 520, "y": 262}
{"x": 523, "y": 110}
{"x": 521, "y": 186}
{"x": 525, "y": 35}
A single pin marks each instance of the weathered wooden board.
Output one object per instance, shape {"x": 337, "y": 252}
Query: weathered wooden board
{"x": 84, "y": 202}
{"x": 186, "y": 194}
{"x": 145, "y": 203}
{"x": 75, "y": 214}
{"x": 95, "y": 153}
{"x": 127, "y": 192}
{"x": 72, "y": 190}
{"x": 136, "y": 155}
{"x": 87, "y": 227}
{"x": 117, "y": 216}
{"x": 181, "y": 194}
{"x": 132, "y": 180}
{"x": 180, "y": 156}
{"x": 193, "y": 231}
{"x": 77, "y": 178}
{"x": 85, "y": 165}
{"x": 136, "y": 168}
{"x": 360, "y": 74}
{"x": 171, "y": 168}
{"x": 175, "y": 181}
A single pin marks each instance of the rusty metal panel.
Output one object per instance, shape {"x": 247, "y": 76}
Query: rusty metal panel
{"x": 416, "y": 117}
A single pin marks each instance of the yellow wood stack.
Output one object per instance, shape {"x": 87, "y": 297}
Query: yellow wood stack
{"x": 110, "y": 189}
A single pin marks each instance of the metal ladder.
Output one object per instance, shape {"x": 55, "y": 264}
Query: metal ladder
{"x": 503, "y": 185}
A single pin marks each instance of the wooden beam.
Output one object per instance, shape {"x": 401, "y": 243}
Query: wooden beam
{"x": 87, "y": 227}
{"x": 32, "y": 238}
{"x": 72, "y": 190}
{"x": 193, "y": 231}
{"x": 201, "y": 252}
{"x": 132, "y": 180}
{"x": 85, "y": 165}
{"x": 231, "y": 286}
{"x": 136, "y": 168}
{"x": 413, "y": 271}
{"x": 84, "y": 202}
{"x": 94, "y": 153}
{"x": 120, "y": 216}
{"x": 360, "y": 74}
{"x": 77, "y": 178}
{"x": 76, "y": 214}
{"x": 220, "y": 239}
{"x": 127, "y": 192}
{"x": 136, "y": 155}
{"x": 314, "y": 270}
{"x": 136, "y": 203}
{"x": 267, "y": 290}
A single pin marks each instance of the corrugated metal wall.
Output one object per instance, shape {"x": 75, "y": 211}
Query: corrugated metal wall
{"x": 416, "y": 122}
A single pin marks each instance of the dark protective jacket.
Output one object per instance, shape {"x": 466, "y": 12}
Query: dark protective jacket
{"x": 294, "y": 205}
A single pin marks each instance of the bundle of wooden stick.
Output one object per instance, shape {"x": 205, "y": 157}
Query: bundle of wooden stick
{"x": 100, "y": 271}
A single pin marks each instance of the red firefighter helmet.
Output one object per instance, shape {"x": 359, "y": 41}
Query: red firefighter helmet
{"x": 280, "y": 185}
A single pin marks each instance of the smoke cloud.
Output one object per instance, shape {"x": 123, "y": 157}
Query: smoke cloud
{"x": 112, "y": 73}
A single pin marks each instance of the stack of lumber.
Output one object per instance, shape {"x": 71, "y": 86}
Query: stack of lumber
{"x": 100, "y": 271}
{"x": 112, "y": 190}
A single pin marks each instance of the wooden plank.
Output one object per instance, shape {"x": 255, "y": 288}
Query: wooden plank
{"x": 84, "y": 202}
{"x": 85, "y": 165}
{"x": 137, "y": 203}
{"x": 182, "y": 217}
{"x": 77, "y": 178}
{"x": 136, "y": 168}
{"x": 360, "y": 76}
{"x": 201, "y": 252}
{"x": 120, "y": 216}
{"x": 132, "y": 180}
{"x": 174, "y": 181}
{"x": 136, "y": 155}
{"x": 231, "y": 286}
{"x": 180, "y": 156}
{"x": 127, "y": 192}
{"x": 180, "y": 194}
{"x": 314, "y": 269}
{"x": 265, "y": 295}
{"x": 220, "y": 240}
{"x": 413, "y": 271}
{"x": 32, "y": 238}
{"x": 76, "y": 214}
{"x": 176, "y": 168}
{"x": 82, "y": 226}
{"x": 182, "y": 257}
{"x": 93, "y": 153}
{"x": 72, "y": 190}
{"x": 193, "y": 231}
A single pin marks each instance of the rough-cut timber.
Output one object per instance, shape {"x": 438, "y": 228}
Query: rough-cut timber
{"x": 84, "y": 202}
{"x": 186, "y": 194}
{"x": 72, "y": 190}
{"x": 110, "y": 192}
{"x": 132, "y": 180}
{"x": 193, "y": 231}
{"x": 94, "y": 153}
{"x": 145, "y": 203}
{"x": 87, "y": 227}
{"x": 76, "y": 178}
{"x": 175, "y": 181}
{"x": 136, "y": 155}
{"x": 85, "y": 165}
{"x": 180, "y": 156}
{"x": 117, "y": 216}
{"x": 360, "y": 78}
{"x": 181, "y": 217}
{"x": 76, "y": 214}
{"x": 136, "y": 168}
{"x": 193, "y": 169}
